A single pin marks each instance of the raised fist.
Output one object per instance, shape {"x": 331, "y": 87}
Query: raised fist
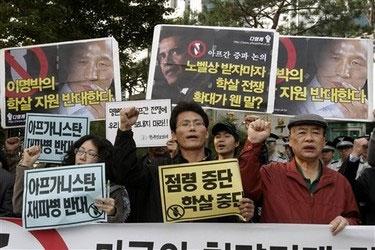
{"x": 128, "y": 117}
{"x": 258, "y": 131}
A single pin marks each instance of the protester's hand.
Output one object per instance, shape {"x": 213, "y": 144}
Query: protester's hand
{"x": 30, "y": 155}
{"x": 172, "y": 147}
{"x": 249, "y": 119}
{"x": 338, "y": 224}
{"x": 128, "y": 117}
{"x": 246, "y": 208}
{"x": 258, "y": 131}
{"x": 359, "y": 147}
{"x": 107, "y": 205}
{"x": 12, "y": 145}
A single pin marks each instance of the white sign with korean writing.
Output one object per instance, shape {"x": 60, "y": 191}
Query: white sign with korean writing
{"x": 189, "y": 236}
{"x": 54, "y": 133}
{"x": 200, "y": 190}
{"x": 152, "y": 127}
{"x": 63, "y": 196}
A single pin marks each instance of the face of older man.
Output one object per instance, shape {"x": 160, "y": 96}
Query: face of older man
{"x": 343, "y": 64}
{"x": 92, "y": 67}
{"x": 307, "y": 141}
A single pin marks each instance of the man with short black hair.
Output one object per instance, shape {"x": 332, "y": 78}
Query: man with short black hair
{"x": 226, "y": 140}
{"x": 189, "y": 125}
{"x": 302, "y": 190}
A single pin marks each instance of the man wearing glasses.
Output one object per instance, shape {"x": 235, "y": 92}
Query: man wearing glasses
{"x": 189, "y": 125}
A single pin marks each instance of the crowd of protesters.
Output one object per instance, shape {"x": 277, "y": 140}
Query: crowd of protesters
{"x": 302, "y": 184}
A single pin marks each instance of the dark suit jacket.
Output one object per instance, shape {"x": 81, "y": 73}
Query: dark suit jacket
{"x": 371, "y": 150}
{"x": 6, "y": 193}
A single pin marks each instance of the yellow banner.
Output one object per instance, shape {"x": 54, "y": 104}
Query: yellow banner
{"x": 200, "y": 190}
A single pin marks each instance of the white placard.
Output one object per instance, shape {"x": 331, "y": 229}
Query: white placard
{"x": 63, "y": 196}
{"x": 152, "y": 127}
{"x": 54, "y": 133}
{"x": 190, "y": 236}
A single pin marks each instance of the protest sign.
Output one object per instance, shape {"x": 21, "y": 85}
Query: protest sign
{"x": 70, "y": 78}
{"x": 188, "y": 236}
{"x": 152, "y": 127}
{"x": 331, "y": 77}
{"x": 218, "y": 67}
{"x": 200, "y": 190}
{"x": 63, "y": 196}
{"x": 54, "y": 133}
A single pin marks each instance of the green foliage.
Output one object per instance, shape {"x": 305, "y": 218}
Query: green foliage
{"x": 130, "y": 22}
{"x": 293, "y": 17}
{"x": 97, "y": 128}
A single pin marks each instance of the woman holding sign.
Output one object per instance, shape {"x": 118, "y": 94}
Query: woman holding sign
{"x": 88, "y": 149}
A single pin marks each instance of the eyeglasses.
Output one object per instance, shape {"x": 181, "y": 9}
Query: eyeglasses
{"x": 187, "y": 124}
{"x": 89, "y": 154}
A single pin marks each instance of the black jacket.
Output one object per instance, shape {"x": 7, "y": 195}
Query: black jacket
{"x": 371, "y": 150}
{"x": 364, "y": 189}
{"x": 6, "y": 193}
{"x": 141, "y": 179}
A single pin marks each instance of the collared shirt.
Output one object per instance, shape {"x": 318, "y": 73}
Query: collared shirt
{"x": 311, "y": 185}
{"x": 324, "y": 108}
{"x": 77, "y": 109}
{"x": 363, "y": 164}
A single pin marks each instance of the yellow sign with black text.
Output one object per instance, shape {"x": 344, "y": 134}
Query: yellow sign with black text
{"x": 200, "y": 190}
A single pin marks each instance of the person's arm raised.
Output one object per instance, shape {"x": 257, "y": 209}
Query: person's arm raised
{"x": 128, "y": 117}
{"x": 258, "y": 131}
{"x": 126, "y": 168}
{"x": 29, "y": 157}
{"x": 249, "y": 159}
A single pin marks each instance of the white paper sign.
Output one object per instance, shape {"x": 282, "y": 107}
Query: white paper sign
{"x": 152, "y": 127}
{"x": 189, "y": 236}
{"x": 54, "y": 133}
{"x": 63, "y": 196}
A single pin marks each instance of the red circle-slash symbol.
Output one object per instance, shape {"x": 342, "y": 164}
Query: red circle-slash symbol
{"x": 291, "y": 55}
{"x": 197, "y": 49}
{"x": 12, "y": 62}
{"x": 50, "y": 239}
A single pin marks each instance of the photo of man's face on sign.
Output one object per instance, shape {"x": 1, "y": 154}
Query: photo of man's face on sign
{"x": 68, "y": 78}
{"x": 172, "y": 80}
{"x": 333, "y": 77}
{"x": 342, "y": 64}
{"x": 172, "y": 59}
{"x": 87, "y": 69}
{"x": 222, "y": 68}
